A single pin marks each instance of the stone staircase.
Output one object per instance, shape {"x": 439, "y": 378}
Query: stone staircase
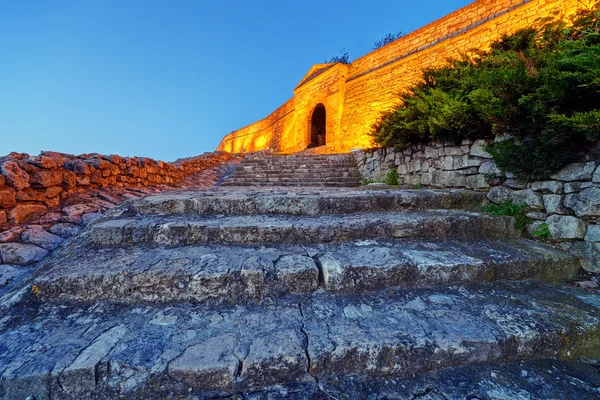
{"x": 301, "y": 293}
{"x": 334, "y": 170}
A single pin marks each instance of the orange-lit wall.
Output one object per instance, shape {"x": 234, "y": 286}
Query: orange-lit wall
{"x": 355, "y": 95}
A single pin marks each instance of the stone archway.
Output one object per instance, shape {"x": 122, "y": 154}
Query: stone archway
{"x": 318, "y": 127}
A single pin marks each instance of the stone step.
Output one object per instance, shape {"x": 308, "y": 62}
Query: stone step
{"x": 294, "y": 178}
{"x": 108, "y": 350}
{"x": 290, "y": 229}
{"x": 295, "y": 201}
{"x": 313, "y": 181}
{"x": 241, "y": 274}
{"x": 308, "y": 165}
{"x": 295, "y": 172}
{"x": 250, "y": 183}
{"x": 533, "y": 379}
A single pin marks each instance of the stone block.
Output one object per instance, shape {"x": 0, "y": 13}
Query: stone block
{"x": 593, "y": 234}
{"x": 553, "y": 203}
{"x": 566, "y": 227}
{"x": 555, "y": 187}
{"x": 576, "y": 172}
{"x": 21, "y": 254}
{"x": 426, "y": 178}
{"x": 590, "y": 252}
{"x": 3, "y": 217}
{"x": 7, "y": 197}
{"x": 448, "y": 179}
{"x": 14, "y": 175}
{"x": 572, "y": 187}
{"x": 37, "y": 235}
{"x": 476, "y": 182}
{"x": 540, "y": 216}
{"x": 46, "y": 178}
{"x": 431, "y": 152}
{"x": 585, "y": 203}
{"x": 596, "y": 176}
{"x": 452, "y": 151}
{"x": 23, "y": 212}
{"x": 478, "y": 149}
{"x": 515, "y": 184}
{"x": 474, "y": 162}
{"x": 489, "y": 167}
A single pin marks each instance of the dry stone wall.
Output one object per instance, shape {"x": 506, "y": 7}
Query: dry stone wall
{"x": 44, "y": 198}
{"x": 568, "y": 202}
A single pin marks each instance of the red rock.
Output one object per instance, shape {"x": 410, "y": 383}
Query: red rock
{"x": 46, "y": 178}
{"x": 3, "y": 217}
{"x": 42, "y": 162}
{"x": 133, "y": 171}
{"x": 12, "y": 234}
{"x": 31, "y": 194}
{"x": 106, "y": 173}
{"x": 59, "y": 158}
{"x": 83, "y": 180}
{"x": 52, "y": 203}
{"x": 7, "y": 197}
{"x": 53, "y": 191}
{"x": 2, "y": 180}
{"x": 97, "y": 178}
{"x": 78, "y": 166}
{"x": 24, "y": 212}
{"x": 15, "y": 176}
{"x": 69, "y": 179}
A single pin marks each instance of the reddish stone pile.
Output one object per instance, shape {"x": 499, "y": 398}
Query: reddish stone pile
{"x": 32, "y": 188}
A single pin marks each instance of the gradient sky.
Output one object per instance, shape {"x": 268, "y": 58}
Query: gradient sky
{"x": 168, "y": 79}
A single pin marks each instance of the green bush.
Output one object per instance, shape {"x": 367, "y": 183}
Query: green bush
{"x": 511, "y": 209}
{"x": 391, "y": 178}
{"x": 541, "y": 87}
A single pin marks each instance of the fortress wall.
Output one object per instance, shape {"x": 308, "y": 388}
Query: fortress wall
{"x": 373, "y": 86}
{"x": 266, "y": 133}
{"x": 369, "y": 86}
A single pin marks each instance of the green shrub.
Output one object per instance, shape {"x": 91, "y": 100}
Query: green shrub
{"x": 541, "y": 87}
{"x": 511, "y": 209}
{"x": 391, "y": 178}
{"x": 542, "y": 232}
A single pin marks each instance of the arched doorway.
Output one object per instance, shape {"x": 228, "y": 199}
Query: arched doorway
{"x": 318, "y": 123}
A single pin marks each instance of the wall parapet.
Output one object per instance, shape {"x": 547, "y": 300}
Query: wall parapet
{"x": 568, "y": 202}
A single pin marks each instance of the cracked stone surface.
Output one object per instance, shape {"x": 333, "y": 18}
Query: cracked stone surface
{"x": 148, "y": 351}
{"x": 238, "y": 274}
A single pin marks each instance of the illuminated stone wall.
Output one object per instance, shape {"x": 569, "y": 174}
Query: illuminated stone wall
{"x": 355, "y": 95}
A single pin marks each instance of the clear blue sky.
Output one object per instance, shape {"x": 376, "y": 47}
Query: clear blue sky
{"x": 168, "y": 79}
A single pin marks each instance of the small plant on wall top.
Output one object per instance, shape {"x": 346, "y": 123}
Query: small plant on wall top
{"x": 541, "y": 87}
{"x": 343, "y": 58}
{"x": 387, "y": 39}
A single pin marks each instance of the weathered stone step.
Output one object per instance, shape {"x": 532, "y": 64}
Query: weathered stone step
{"x": 250, "y": 183}
{"x": 260, "y": 229}
{"x": 310, "y": 201}
{"x": 296, "y": 172}
{"x": 240, "y": 274}
{"x": 532, "y": 380}
{"x": 297, "y": 180}
{"x": 305, "y": 165}
{"x": 106, "y": 350}
{"x": 315, "y": 177}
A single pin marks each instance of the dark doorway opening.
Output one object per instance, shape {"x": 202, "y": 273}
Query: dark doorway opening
{"x": 318, "y": 124}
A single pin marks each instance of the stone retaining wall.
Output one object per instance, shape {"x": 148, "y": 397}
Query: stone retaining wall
{"x": 34, "y": 185}
{"x": 568, "y": 202}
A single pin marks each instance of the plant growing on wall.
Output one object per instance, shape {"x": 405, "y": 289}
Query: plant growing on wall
{"x": 387, "y": 39}
{"x": 343, "y": 58}
{"x": 542, "y": 87}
